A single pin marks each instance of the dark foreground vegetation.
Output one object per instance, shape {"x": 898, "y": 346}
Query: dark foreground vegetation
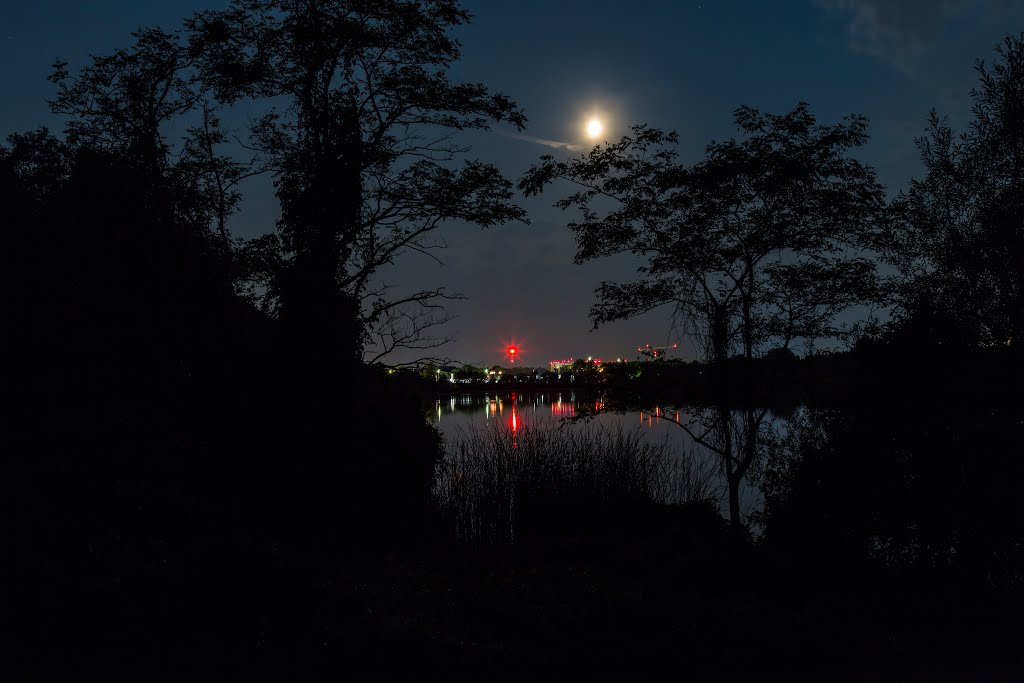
{"x": 496, "y": 484}
{"x": 203, "y": 479}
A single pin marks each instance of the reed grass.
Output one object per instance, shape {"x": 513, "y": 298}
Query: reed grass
{"x": 494, "y": 485}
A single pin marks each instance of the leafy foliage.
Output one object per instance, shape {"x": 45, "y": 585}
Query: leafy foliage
{"x": 120, "y": 107}
{"x": 958, "y": 232}
{"x": 121, "y": 101}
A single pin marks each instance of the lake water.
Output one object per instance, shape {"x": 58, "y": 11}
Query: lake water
{"x": 455, "y": 414}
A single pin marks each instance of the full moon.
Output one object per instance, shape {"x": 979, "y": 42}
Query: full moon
{"x": 594, "y": 128}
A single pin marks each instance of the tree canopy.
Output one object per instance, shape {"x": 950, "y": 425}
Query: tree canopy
{"x": 754, "y": 246}
{"x": 957, "y": 233}
{"x": 359, "y": 139}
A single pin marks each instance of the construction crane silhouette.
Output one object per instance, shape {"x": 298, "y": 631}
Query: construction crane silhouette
{"x": 654, "y": 351}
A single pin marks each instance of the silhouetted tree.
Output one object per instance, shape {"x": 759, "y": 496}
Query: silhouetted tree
{"x": 140, "y": 221}
{"x": 751, "y": 247}
{"x": 209, "y": 181}
{"x": 119, "y": 292}
{"x": 358, "y": 138}
{"x": 958, "y": 232}
{"x": 122, "y": 102}
{"x": 122, "y": 106}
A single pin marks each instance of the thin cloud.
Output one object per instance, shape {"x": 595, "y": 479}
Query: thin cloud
{"x": 554, "y": 144}
{"x": 906, "y": 33}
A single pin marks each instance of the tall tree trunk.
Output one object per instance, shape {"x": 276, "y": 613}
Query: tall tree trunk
{"x": 734, "y": 501}
{"x": 321, "y": 319}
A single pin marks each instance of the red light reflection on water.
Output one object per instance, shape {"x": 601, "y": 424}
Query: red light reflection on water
{"x": 561, "y": 408}
{"x": 514, "y": 421}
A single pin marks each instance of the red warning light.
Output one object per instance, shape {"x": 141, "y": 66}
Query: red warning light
{"x": 512, "y": 351}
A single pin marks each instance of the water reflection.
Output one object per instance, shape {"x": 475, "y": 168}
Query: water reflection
{"x": 513, "y": 408}
{"x": 832, "y": 486}
{"x": 561, "y": 408}
{"x": 517, "y": 409}
{"x": 693, "y": 433}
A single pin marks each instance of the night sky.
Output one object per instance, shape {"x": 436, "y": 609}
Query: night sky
{"x": 677, "y": 65}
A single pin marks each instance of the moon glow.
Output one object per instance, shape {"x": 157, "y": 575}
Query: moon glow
{"x": 594, "y": 128}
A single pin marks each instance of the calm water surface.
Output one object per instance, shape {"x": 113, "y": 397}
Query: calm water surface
{"x": 454, "y": 414}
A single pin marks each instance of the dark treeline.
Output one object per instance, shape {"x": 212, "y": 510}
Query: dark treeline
{"x": 777, "y": 379}
{"x": 211, "y": 469}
